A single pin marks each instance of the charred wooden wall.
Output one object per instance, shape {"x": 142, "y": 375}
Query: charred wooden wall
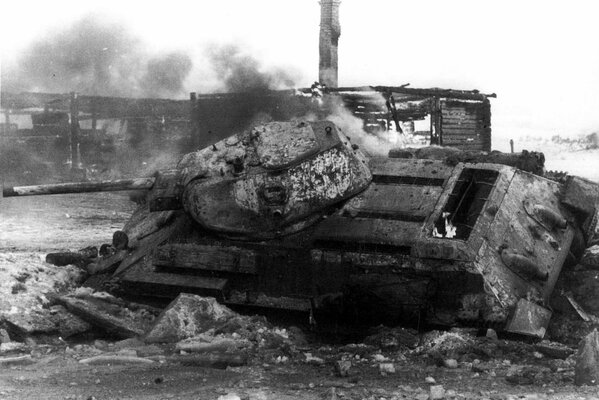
{"x": 466, "y": 124}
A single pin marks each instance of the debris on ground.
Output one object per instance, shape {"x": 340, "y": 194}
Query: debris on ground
{"x": 80, "y": 258}
{"x": 115, "y": 359}
{"x": 55, "y": 320}
{"x": 107, "y": 315}
{"x": 397, "y": 338}
{"x": 186, "y": 316}
{"x": 587, "y": 360}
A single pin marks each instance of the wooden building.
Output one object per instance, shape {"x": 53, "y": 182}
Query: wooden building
{"x": 455, "y": 118}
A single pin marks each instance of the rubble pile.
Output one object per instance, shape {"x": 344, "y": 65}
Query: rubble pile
{"x": 575, "y": 304}
{"x": 196, "y": 331}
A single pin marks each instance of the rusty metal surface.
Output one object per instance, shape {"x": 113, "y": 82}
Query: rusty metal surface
{"x": 514, "y": 229}
{"x": 419, "y": 168}
{"x": 281, "y": 144}
{"x": 368, "y": 231}
{"x": 395, "y": 201}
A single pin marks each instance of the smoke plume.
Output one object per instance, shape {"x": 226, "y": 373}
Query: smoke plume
{"x": 353, "y": 127}
{"x": 165, "y": 74}
{"x": 240, "y": 72}
{"x": 97, "y": 57}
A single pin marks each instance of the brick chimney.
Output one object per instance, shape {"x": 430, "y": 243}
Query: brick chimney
{"x": 330, "y": 30}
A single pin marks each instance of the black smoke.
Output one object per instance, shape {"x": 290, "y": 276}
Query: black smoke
{"x": 165, "y": 74}
{"x": 97, "y": 57}
{"x": 241, "y": 72}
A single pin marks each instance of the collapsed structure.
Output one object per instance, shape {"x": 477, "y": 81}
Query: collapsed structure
{"x": 292, "y": 215}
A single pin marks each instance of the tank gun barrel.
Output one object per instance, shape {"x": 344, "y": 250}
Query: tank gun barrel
{"x": 80, "y": 187}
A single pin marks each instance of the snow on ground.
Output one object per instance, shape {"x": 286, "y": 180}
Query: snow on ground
{"x": 31, "y": 227}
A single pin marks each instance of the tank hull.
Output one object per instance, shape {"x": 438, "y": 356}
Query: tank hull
{"x": 425, "y": 240}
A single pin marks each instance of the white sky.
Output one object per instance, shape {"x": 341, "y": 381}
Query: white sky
{"x": 540, "y": 57}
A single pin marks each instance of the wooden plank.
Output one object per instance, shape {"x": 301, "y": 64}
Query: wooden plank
{"x": 153, "y": 240}
{"x": 206, "y": 257}
{"x": 462, "y": 144}
{"x": 465, "y": 117}
{"x": 462, "y": 139}
{"x": 463, "y": 134}
{"x": 466, "y": 146}
{"x": 457, "y": 129}
{"x": 164, "y": 282}
{"x": 461, "y": 123}
{"x": 465, "y": 105}
{"x": 108, "y": 263}
{"x": 105, "y": 315}
{"x": 460, "y": 126}
{"x": 461, "y": 116}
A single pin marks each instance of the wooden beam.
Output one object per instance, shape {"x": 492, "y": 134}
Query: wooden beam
{"x": 206, "y": 257}
{"x": 74, "y": 138}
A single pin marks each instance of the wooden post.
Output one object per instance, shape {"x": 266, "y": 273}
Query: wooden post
{"x": 436, "y": 121}
{"x": 6, "y": 122}
{"x": 486, "y": 109}
{"x": 94, "y": 116}
{"x": 74, "y": 138}
{"x": 512, "y": 145}
{"x": 194, "y": 119}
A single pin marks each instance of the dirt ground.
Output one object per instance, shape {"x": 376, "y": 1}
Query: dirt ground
{"x": 32, "y": 227}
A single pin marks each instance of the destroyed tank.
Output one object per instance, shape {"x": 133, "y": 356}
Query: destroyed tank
{"x": 292, "y": 215}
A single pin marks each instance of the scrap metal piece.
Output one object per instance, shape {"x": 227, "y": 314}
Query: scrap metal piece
{"x": 529, "y": 319}
{"x": 586, "y": 317}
